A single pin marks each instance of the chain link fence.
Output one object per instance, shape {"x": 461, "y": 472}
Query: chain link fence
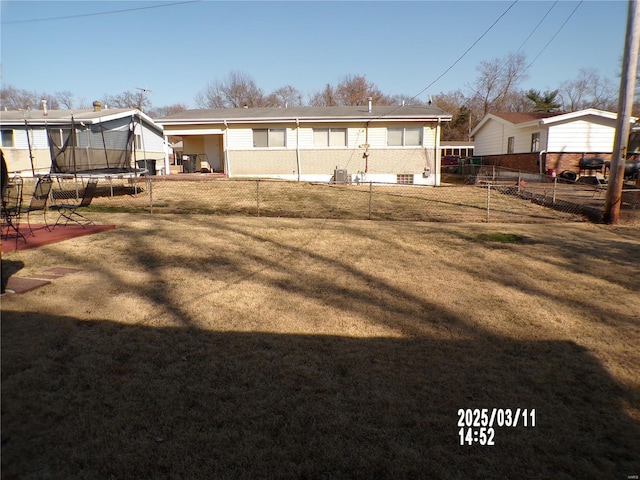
{"x": 483, "y": 201}
{"x": 487, "y": 196}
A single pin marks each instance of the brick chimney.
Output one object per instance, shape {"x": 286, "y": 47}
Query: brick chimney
{"x": 96, "y": 106}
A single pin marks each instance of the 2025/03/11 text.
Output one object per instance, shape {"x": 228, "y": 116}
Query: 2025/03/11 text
{"x": 477, "y": 425}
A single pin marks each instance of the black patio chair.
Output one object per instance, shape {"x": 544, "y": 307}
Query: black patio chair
{"x": 39, "y": 200}
{"x": 12, "y": 208}
{"x": 68, "y": 211}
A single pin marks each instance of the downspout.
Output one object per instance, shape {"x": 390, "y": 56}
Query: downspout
{"x": 366, "y": 148}
{"x": 226, "y": 149}
{"x": 437, "y": 161}
{"x": 298, "y": 146}
{"x": 540, "y": 160}
{"x": 546, "y": 141}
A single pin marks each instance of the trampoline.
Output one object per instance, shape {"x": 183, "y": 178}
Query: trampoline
{"x": 81, "y": 152}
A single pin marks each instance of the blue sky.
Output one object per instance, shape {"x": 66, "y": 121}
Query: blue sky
{"x": 402, "y": 47}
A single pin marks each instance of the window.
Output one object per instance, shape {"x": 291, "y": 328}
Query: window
{"x": 269, "y": 137}
{"x": 510, "y": 144}
{"x": 405, "y": 178}
{"x": 138, "y": 140}
{"x": 329, "y": 137}
{"x": 535, "y": 142}
{"x": 60, "y": 136}
{"x": 7, "y": 138}
{"x": 404, "y": 137}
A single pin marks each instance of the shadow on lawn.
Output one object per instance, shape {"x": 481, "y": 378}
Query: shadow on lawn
{"x": 104, "y": 400}
{"x": 9, "y": 268}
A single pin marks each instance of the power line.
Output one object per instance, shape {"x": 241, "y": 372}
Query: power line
{"x": 461, "y": 56}
{"x": 467, "y": 50}
{"x": 524, "y": 71}
{"x": 537, "y": 26}
{"x": 110, "y": 12}
{"x": 555, "y": 35}
{"x": 523, "y": 43}
{"x": 521, "y": 75}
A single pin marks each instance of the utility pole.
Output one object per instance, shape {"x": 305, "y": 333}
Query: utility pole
{"x": 623, "y": 128}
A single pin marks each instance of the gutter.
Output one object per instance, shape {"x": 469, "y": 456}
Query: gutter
{"x": 226, "y": 149}
{"x": 210, "y": 121}
{"x": 298, "y": 147}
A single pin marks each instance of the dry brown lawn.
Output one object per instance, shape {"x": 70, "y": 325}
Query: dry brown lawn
{"x": 207, "y": 347}
{"x": 270, "y": 198}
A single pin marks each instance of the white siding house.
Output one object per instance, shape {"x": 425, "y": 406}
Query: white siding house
{"x": 544, "y": 142}
{"x": 25, "y": 143}
{"x": 588, "y": 130}
{"x": 379, "y": 144}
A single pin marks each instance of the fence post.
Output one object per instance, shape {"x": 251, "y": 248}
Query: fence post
{"x": 258, "y": 196}
{"x": 519, "y": 181}
{"x": 370, "y": 198}
{"x": 150, "y": 188}
{"x": 488, "y": 200}
{"x": 555, "y": 184}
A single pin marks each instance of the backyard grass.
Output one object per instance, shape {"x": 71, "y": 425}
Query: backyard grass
{"x": 227, "y": 347}
{"x": 269, "y": 198}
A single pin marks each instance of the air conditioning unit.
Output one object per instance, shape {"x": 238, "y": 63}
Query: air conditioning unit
{"x": 340, "y": 175}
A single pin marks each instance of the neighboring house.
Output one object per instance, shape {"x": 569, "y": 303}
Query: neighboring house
{"x": 544, "y": 142}
{"x": 375, "y": 143}
{"x": 462, "y": 149}
{"x": 26, "y": 147}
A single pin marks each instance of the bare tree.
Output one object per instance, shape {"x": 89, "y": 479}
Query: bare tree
{"x": 162, "y": 112}
{"x": 355, "y": 90}
{"x": 65, "y": 98}
{"x": 463, "y": 116}
{"x": 588, "y": 90}
{"x": 128, "y": 99}
{"x": 287, "y": 96}
{"x": 237, "y": 90}
{"x": 350, "y": 90}
{"x": 400, "y": 99}
{"x": 13, "y": 98}
{"x": 498, "y": 79}
{"x": 324, "y": 98}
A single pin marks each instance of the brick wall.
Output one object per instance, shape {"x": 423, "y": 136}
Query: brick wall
{"x": 523, "y": 162}
{"x": 528, "y": 162}
{"x": 569, "y": 161}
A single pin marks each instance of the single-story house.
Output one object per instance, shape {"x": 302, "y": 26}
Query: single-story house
{"x": 26, "y": 135}
{"x": 545, "y": 142}
{"x": 386, "y": 144}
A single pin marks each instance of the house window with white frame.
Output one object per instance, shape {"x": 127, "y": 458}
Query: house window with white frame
{"x": 510, "y": 144}
{"x": 7, "y": 138}
{"x": 329, "y": 137}
{"x": 535, "y": 141}
{"x": 269, "y": 137}
{"x": 404, "y": 136}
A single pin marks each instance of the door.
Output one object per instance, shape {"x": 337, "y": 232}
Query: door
{"x": 213, "y": 152}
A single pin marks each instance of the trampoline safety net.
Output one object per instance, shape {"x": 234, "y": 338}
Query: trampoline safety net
{"x": 80, "y": 148}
